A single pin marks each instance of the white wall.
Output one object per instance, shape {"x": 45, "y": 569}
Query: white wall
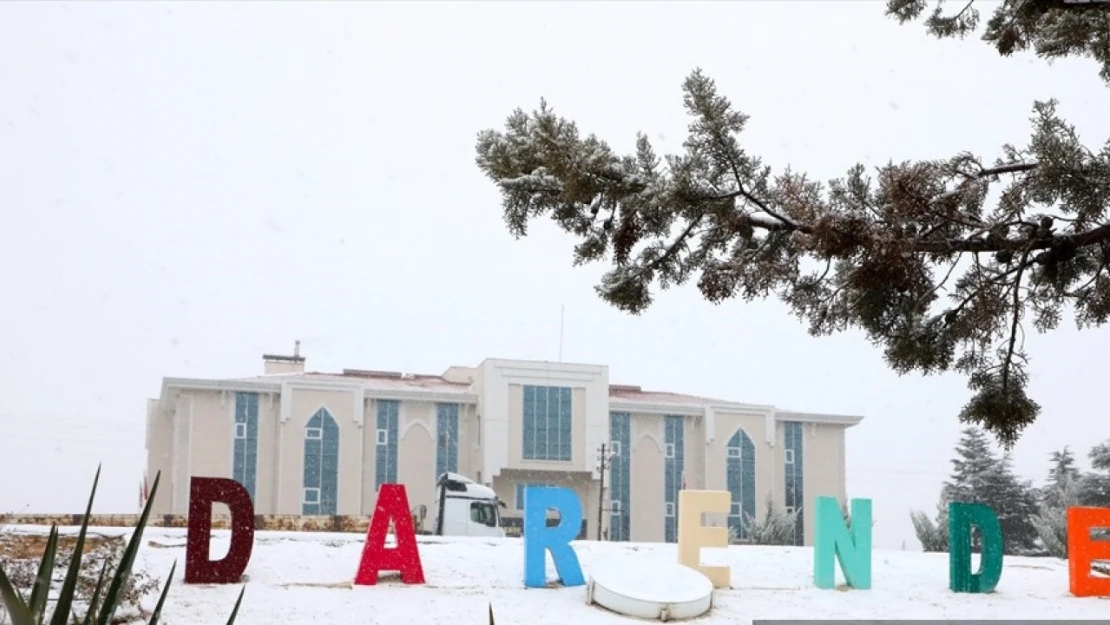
{"x": 496, "y": 377}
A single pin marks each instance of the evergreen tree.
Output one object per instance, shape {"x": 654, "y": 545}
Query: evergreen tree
{"x": 1062, "y": 475}
{"x": 1015, "y": 503}
{"x": 1051, "y": 521}
{"x": 1095, "y": 485}
{"x": 932, "y": 536}
{"x": 1021, "y": 238}
{"x": 973, "y": 468}
{"x": 981, "y": 476}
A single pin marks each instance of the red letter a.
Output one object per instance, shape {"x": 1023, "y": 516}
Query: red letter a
{"x": 393, "y": 506}
{"x": 203, "y": 492}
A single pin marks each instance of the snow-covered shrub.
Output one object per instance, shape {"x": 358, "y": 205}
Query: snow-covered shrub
{"x": 105, "y": 553}
{"x": 932, "y": 536}
{"x": 27, "y": 598}
{"x": 1051, "y": 521}
{"x": 776, "y": 528}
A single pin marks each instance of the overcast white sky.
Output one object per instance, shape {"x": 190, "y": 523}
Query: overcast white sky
{"x": 184, "y": 186}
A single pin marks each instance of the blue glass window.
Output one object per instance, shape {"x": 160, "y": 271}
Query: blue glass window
{"x": 619, "y": 473}
{"x": 244, "y": 464}
{"x": 386, "y": 443}
{"x": 447, "y": 438}
{"x": 740, "y": 476}
{"x": 320, "y": 493}
{"x": 794, "y": 472}
{"x": 547, "y": 423}
{"x": 674, "y": 463}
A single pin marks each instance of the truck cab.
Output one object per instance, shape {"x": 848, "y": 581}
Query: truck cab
{"x": 465, "y": 508}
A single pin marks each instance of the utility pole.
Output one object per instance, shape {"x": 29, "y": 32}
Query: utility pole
{"x": 602, "y": 465}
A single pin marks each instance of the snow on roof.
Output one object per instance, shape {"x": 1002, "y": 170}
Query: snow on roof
{"x": 375, "y": 380}
{"x": 634, "y": 395}
{"x": 621, "y": 394}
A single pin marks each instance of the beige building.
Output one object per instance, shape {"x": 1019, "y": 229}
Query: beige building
{"x": 307, "y": 443}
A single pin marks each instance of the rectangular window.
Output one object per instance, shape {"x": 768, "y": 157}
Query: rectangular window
{"x": 619, "y": 473}
{"x": 733, "y": 452}
{"x": 616, "y": 447}
{"x": 735, "y": 511}
{"x": 546, "y": 420}
{"x": 794, "y": 473}
{"x": 615, "y": 507}
{"x": 447, "y": 438}
{"x": 386, "y": 439}
{"x": 674, "y": 467}
{"x": 244, "y": 461}
{"x": 790, "y": 509}
{"x": 314, "y": 433}
{"x": 311, "y": 495}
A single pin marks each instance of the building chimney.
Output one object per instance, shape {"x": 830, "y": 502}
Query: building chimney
{"x": 274, "y": 364}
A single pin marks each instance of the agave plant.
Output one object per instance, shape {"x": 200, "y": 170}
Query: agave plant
{"x": 32, "y": 611}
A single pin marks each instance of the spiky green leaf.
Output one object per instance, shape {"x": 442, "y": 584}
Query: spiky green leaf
{"x": 123, "y": 571}
{"x": 90, "y": 612}
{"x": 69, "y": 587}
{"x": 162, "y": 600}
{"x": 41, "y": 589}
{"x": 18, "y": 611}
{"x": 238, "y": 602}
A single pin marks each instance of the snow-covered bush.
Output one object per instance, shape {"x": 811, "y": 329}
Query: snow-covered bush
{"x": 1051, "y": 520}
{"x": 776, "y": 528}
{"x": 97, "y": 580}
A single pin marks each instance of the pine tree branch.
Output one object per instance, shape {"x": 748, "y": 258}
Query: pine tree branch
{"x": 1074, "y": 5}
{"x": 1015, "y": 312}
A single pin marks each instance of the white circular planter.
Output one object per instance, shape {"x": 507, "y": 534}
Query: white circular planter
{"x": 653, "y": 590}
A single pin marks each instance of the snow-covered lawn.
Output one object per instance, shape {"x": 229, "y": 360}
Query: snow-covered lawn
{"x": 300, "y": 577}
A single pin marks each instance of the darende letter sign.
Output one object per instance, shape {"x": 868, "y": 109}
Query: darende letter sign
{"x": 836, "y": 540}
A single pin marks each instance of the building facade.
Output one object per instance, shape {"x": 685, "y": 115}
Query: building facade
{"x": 306, "y": 443}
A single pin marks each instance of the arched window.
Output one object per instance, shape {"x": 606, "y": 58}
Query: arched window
{"x": 740, "y": 475}
{"x": 320, "y": 494}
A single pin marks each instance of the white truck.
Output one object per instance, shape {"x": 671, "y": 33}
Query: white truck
{"x": 464, "y": 507}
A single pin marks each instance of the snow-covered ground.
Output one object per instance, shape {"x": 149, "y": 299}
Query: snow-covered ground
{"x": 300, "y": 577}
